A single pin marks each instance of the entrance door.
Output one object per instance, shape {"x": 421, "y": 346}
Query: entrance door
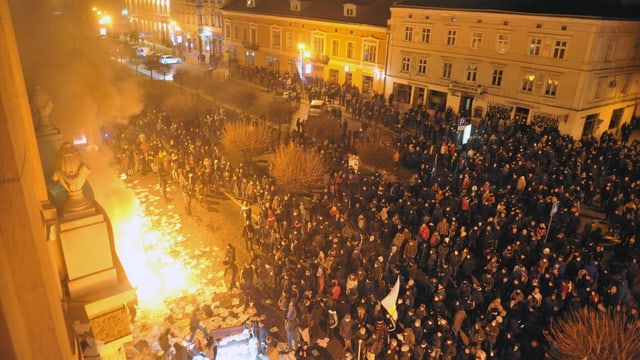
{"x": 616, "y": 116}
{"x": 589, "y": 124}
{"x": 521, "y": 115}
{"x": 367, "y": 84}
{"x": 466, "y": 105}
{"x": 348, "y": 77}
{"x": 333, "y": 75}
{"x": 418, "y": 96}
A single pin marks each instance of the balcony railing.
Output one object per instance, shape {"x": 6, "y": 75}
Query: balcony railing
{"x": 248, "y": 45}
{"x": 319, "y": 58}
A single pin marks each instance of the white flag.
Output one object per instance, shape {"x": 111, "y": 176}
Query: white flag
{"x": 389, "y": 302}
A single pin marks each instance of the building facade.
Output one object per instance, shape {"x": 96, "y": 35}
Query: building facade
{"x": 341, "y": 42}
{"x": 579, "y": 73}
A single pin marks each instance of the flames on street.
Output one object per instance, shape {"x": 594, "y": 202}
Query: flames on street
{"x": 145, "y": 252}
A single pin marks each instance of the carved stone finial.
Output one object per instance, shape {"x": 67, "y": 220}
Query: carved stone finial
{"x": 71, "y": 173}
{"x": 41, "y": 106}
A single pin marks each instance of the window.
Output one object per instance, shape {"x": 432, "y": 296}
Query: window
{"x": 625, "y": 85}
{"x": 422, "y": 66}
{"x": 636, "y": 51}
{"x": 236, "y": 32}
{"x": 275, "y": 38}
{"x": 335, "y": 47}
{"x": 251, "y": 3}
{"x": 472, "y": 73}
{"x": 551, "y": 87}
{"x": 406, "y": 64}
{"x": 349, "y": 10}
{"x": 476, "y": 40}
{"x": 426, "y": 35}
{"x": 317, "y": 44}
{"x": 451, "y": 37}
{"x": 534, "y": 47}
{"x": 527, "y": 83}
{"x": 408, "y": 33}
{"x": 446, "y": 70}
{"x": 497, "y": 77}
{"x": 599, "y": 89}
{"x": 559, "y": 49}
{"x": 608, "y": 52}
{"x": 503, "y": 43}
{"x": 245, "y": 34}
{"x": 254, "y": 35}
{"x": 290, "y": 40}
{"x": 369, "y": 52}
{"x": 351, "y": 49}
{"x": 227, "y": 30}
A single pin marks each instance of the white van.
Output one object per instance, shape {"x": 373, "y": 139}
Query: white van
{"x": 316, "y": 108}
{"x": 144, "y": 51}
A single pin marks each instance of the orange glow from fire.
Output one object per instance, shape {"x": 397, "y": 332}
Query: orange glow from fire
{"x": 145, "y": 253}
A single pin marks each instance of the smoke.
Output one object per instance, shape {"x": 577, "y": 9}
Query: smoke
{"x": 62, "y": 52}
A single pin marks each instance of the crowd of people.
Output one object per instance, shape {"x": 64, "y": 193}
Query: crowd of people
{"x": 485, "y": 238}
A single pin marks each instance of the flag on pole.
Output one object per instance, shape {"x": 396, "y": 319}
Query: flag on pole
{"x": 389, "y": 302}
{"x": 435, "y": 168}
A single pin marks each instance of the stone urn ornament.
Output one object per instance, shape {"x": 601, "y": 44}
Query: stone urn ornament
{"x": 71, "y": 173}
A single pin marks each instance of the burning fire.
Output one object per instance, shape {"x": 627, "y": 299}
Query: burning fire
{"x": 145, "y": 252}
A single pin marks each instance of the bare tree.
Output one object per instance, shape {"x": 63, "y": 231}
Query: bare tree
{"x": 376, "y": 154}
{"x": 298, "y": 169}
{"x": 590, "y": 334}
{"x": 247, "y": 137}
{"x": 280, "y": 112}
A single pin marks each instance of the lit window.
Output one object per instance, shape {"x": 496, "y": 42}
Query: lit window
{"x": 551, "y": 87}
{"x": 527, "y": 83}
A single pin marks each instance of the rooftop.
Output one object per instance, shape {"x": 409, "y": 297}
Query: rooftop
{"x": 625, "y": 9}
{"x": 368, "y": 12}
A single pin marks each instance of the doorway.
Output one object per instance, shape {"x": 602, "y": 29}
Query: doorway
{"x": 466, "y": 105}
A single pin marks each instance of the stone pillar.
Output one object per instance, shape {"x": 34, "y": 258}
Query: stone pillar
{"x": 32, "y": 323}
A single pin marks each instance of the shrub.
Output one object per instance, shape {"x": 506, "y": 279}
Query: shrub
{"x": 246, "y": 137}
{"x": 375, "y": 154}
{"x": 590, "y": 334}
{"x": 298, "y": 169}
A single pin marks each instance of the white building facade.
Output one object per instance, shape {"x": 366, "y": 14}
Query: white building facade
{"x": 581, "y": 74}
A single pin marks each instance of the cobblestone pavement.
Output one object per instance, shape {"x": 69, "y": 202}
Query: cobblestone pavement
{"x": 194, "y": 245}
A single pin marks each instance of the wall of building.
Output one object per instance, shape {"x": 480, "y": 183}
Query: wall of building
{"x": 557, "y": 68}
{"x": 332, "y": 62}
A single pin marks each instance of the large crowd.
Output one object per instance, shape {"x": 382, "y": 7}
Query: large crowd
{"x": 485, "y": 238}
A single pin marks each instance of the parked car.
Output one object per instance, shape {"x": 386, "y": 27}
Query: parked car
{"x": 284, "y": 95}
{"x": 169, "y": 59}
{"x": 316, "y": 108}
{"x": 144, "y": 51}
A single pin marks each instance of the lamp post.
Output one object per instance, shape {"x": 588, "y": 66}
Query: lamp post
{"x": 301, "y": 47}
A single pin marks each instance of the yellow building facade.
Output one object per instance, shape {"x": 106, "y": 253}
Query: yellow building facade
{"x": 340, "y": 51}
{"x": 581, "y": 74}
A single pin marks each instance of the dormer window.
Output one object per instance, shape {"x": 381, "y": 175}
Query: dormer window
{"x": 349, "y": 9}
{"x": 251, "y": 3}
{"x": 294, "y": 5}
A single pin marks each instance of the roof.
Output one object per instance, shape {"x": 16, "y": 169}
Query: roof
{"x": 593, "y": 8}
{"x": 369, "y": 12}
